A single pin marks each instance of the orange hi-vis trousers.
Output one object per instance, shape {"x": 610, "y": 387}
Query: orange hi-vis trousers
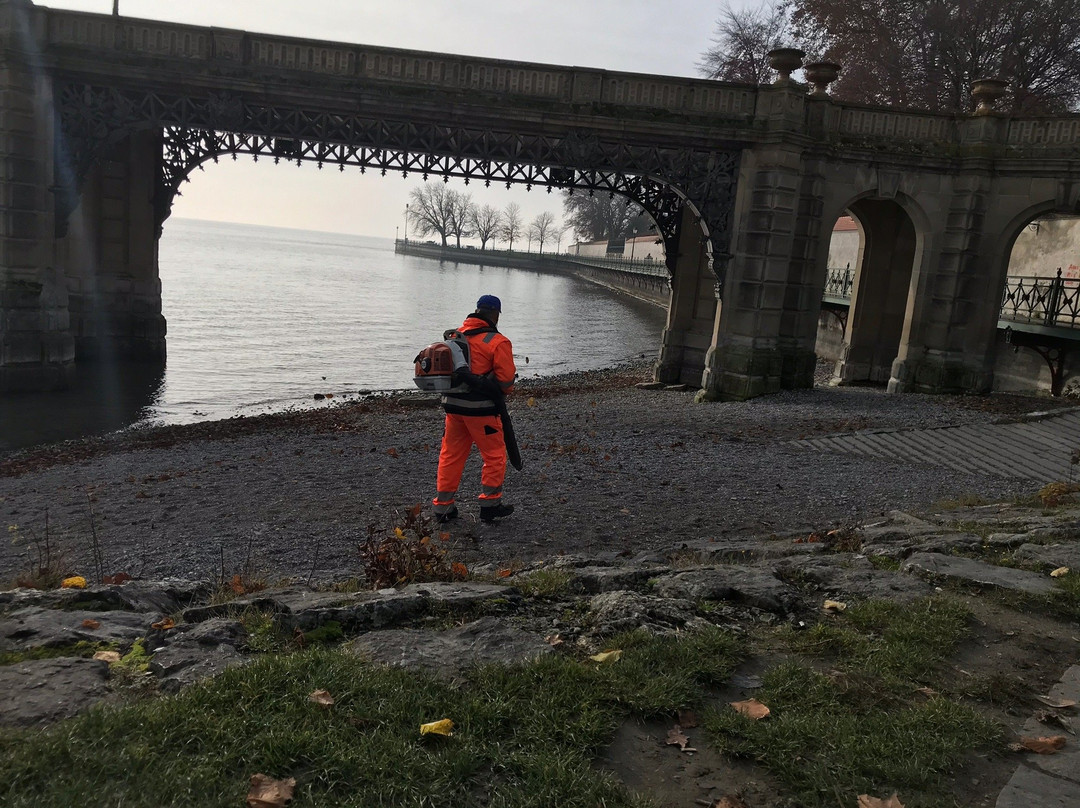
{"x": 461, "y": 432}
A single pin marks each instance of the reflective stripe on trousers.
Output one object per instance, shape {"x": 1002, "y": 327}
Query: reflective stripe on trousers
{"x": 461, "y": 432}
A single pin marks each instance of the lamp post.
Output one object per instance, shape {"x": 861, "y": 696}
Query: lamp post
{"x": 406, "y": 222}
{"x": 116, "y": 8}
{"x": 633, "y": 242}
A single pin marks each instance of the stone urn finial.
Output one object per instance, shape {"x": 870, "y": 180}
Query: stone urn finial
{"x": 785, "y": 61}
{"x": 986, "y": 93}
{"x": 821, "y": 75}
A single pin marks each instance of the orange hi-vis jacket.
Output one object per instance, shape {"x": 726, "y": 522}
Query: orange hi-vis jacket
{"x": 490, "y": 354}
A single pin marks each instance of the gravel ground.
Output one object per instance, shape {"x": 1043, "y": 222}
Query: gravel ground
{"x": 608, "y": 469}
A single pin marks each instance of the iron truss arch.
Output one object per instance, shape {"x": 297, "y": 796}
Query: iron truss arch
{"x": 197, "y": 129}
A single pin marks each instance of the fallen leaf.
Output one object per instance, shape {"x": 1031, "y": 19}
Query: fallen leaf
{"x": 322, "y": 698}
{"x": 607, "y": 656}
{"x": 1059, "y": 572}
{"x": 119, "y": 578}
{"x": 676, "y": 737}
{"x": 687, "y": 719}
{"x": 392, "y": 452}
{"x": 1054, "y": 719}
{"x": 108, "y": 656}
{"x": 91, "y": 624}
{"x": 266, "y": 792}
{"x": 459, "y": 569}
{"x": 164, "y": 625}
{"x": 1041, "y": 746}
{"x": 442, "y": 727}
{"x": 74, "y": 582}
{"x": 752, "y": 709}
{"x": 504, "y": 573}
{"x": 929, "y": 692}
{"x": 835, "y": 606}
{"x": 415, "y": 509}
{"x": 1057, "y": 704}
{"x": 866, "y": 801}
{"x": 531, "y": 402}
{"x": 554, "y": 640}
{"x": 729, "y": 801}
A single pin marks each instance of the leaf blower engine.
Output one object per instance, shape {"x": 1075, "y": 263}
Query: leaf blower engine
{"x": 443, "y": 367}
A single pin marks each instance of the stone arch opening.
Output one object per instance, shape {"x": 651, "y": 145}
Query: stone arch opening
{"x": 881, "y": 290}
{"x": 1039, "y": 315}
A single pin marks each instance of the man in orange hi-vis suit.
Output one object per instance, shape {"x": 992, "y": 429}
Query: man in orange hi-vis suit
{"x": 472, "y": 417}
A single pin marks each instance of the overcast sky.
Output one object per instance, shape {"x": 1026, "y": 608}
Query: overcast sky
{"x": 647, "y": 36}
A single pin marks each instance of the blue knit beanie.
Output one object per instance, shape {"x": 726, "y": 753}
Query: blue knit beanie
{"x": 489, "y": 302}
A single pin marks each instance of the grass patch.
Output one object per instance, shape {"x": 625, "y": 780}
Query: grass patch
{"x": 884, "y": 562}
{"x": 524, "y": 735}
{"x": 79, "y": 649}
{"x": 863, "y": 727}
{"x": 544, "y": 583}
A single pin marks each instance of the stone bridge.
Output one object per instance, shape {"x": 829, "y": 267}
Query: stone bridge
{"x": 102, "y": 118}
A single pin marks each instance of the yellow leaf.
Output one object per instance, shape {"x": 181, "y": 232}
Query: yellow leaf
{"x": 531, "y": 402}
{"x": 1059, "y": 572}
{"x": 108, "y": 656}
{"x": 752, "y": 709}
{"x": 399, "y": 532}
{"x": 74, "y": 582}
{"x": 322, "y": 698}
{"x": 443, "y": 727}
{"x": 266, "y": 792}
{"x": 835, "y": 606}
{"x": 866, "y": 801}
{"x": 607, "y": 656}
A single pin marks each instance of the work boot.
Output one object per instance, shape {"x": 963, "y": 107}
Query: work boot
{"x": 443, "y": 518}
{"x": 493, "y": 512}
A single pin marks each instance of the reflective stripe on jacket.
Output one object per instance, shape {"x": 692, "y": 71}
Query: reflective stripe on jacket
{"x": 490, "y": 354}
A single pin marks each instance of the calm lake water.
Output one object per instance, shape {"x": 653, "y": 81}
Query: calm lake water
{"x": 260, "y": 319}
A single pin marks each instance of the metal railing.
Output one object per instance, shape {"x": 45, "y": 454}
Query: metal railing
{"x": 1051, "y": 302}
{"x": 839, "y": 282}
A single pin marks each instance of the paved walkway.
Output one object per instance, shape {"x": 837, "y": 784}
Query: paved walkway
{"x": 1038, "y": 448}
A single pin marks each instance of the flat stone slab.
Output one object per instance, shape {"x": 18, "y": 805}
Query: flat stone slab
{"x": 755, "y": 587}
{"x": 1029, "y": 788}
{"x": 178, "y": 666}
{"x": 35, "y": 627}
{"x": 1065, "y": 764}
{"x": 615, "y": 612}
{"x": 43, "y": 691}
{"x": 748, "y": 549}
{"x": 162, "y": 597}
{"x": 1054, "y": 555}
{"x": 969, "y": 570}
{"x": 846, "y": 577}
{"x": 450, "y": 652}
{"x": 593, "y": 580}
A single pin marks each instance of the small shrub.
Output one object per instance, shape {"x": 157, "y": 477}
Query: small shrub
{"x": 413, "y": 551}
{"x": 48, "y": 563}
{"x": 1058, "y": 493}
{"x": 544, "y": 583}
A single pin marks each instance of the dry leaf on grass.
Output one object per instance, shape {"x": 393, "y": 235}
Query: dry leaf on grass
{"x": 1040, "y": 746}
{"x": 91, "y": 624}
{"x": 322, "y": 698}
{"x": 1059, "y": 572}
{"x": 866, "y": 801}
{"x": 752, "y": 709}
{"x": 108, "y": 656}
{"x": 729, "y": 801}
{"x": 929, "y": 692}
{"x": 443, "y": 727}
{"x": 164, "y": 625}
{"x": 266, "y": 792}
{"x": 676, "y": 737}
{"x": 835, "y": 606}
{"x": 1057, "y": 704}
{"x": 607, "y": 656}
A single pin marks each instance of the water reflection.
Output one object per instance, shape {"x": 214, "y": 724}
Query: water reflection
{"x": 104, "y": 398}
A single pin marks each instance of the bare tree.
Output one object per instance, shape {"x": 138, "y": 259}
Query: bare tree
{"x": 560, "y": 231}
{"x": 926, "y": 53}
{"x": 461, "y": 207}
{"x": 742, "y": 41}
{"x": 431, "y": 210}
{"x": 542, "y": 228}
{"x": 598, "y": 217}
{"x": 487, "y": 223}
{"x": 512, "y": 224}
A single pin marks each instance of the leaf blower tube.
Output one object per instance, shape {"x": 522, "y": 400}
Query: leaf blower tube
{"x": 490, "y": 387}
